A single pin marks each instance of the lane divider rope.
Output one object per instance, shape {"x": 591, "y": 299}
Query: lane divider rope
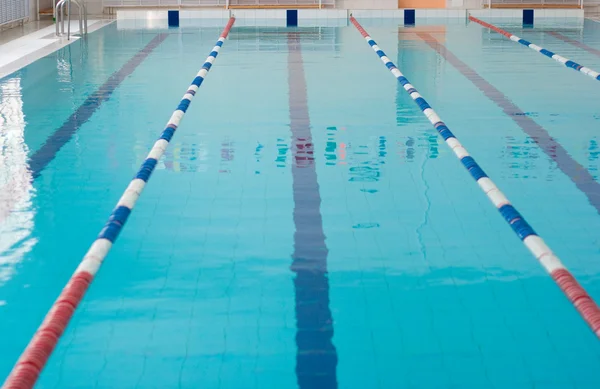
{"x": 573, "y": 290}
{"x": 558, "y": 58}
{"x": 29, "y": 366}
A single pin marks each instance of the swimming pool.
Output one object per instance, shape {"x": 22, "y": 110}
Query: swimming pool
{"x": 307, "y": 226}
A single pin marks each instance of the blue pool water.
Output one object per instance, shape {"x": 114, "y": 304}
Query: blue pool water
{"x": 307, "y": 226}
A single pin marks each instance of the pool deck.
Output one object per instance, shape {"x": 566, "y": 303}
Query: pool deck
{"x": 25, "y": 44}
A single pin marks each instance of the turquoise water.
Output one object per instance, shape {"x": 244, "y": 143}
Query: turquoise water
{"x": 222, "y": 279}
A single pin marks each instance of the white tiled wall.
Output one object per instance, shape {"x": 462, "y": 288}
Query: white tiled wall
{"x": 261, "y": 22}
{"x": 419, "y": 13}
{"x": 259, "y": 13}
{"x": 322, "y": 14}
{"x": 240, "y": 14}
{"x": 203, "y": 14}
{"x": 337, "y": 22}
{"x": 570, "y": 13}
{"x": 146, "y": 24}
{"x": 133, "y": 14}
{"x": 260, "y": 16}
{"x": 440, "y": 13}
{"x": 518, "y": 13}
{"x": 370, "y": 13}
{"x": 496, "y": 13}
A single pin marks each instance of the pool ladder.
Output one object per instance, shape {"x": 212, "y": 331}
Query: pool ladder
{"x": 60, "y": 17}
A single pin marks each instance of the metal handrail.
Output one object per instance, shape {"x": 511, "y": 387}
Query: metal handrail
{"x": 60, "y": 17}
{"x": 215, "y": 3}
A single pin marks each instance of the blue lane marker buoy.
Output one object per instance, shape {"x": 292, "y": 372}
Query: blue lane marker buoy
{"x": 173, "y": 18}
{"x": 528, "y": 17}
{"x": 409, "y": 17}
{"x": 292, "y": 17}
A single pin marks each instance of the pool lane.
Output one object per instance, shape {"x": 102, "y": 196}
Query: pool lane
{"x": 582, "y": 178}
{"x": 47, "y": 152}
{"x": 37, "y": 277}
{"x": 557, "y": 57}
{"x": 34, "y": 358}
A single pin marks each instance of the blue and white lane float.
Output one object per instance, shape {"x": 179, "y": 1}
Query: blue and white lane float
{"x": 558, "y": 58}
{"x": 577, "y": 295}
{"x": 29, "y": 366}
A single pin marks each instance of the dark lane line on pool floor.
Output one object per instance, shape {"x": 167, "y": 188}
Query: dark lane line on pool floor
{"x": 316, "y": 358}
{"x": 45, "y": 154}
{"x": 579, "y": 175}
{"x": 574, "y": 42}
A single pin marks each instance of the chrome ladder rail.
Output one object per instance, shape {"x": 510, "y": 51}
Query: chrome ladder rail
{"x": 60, "y": 17}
